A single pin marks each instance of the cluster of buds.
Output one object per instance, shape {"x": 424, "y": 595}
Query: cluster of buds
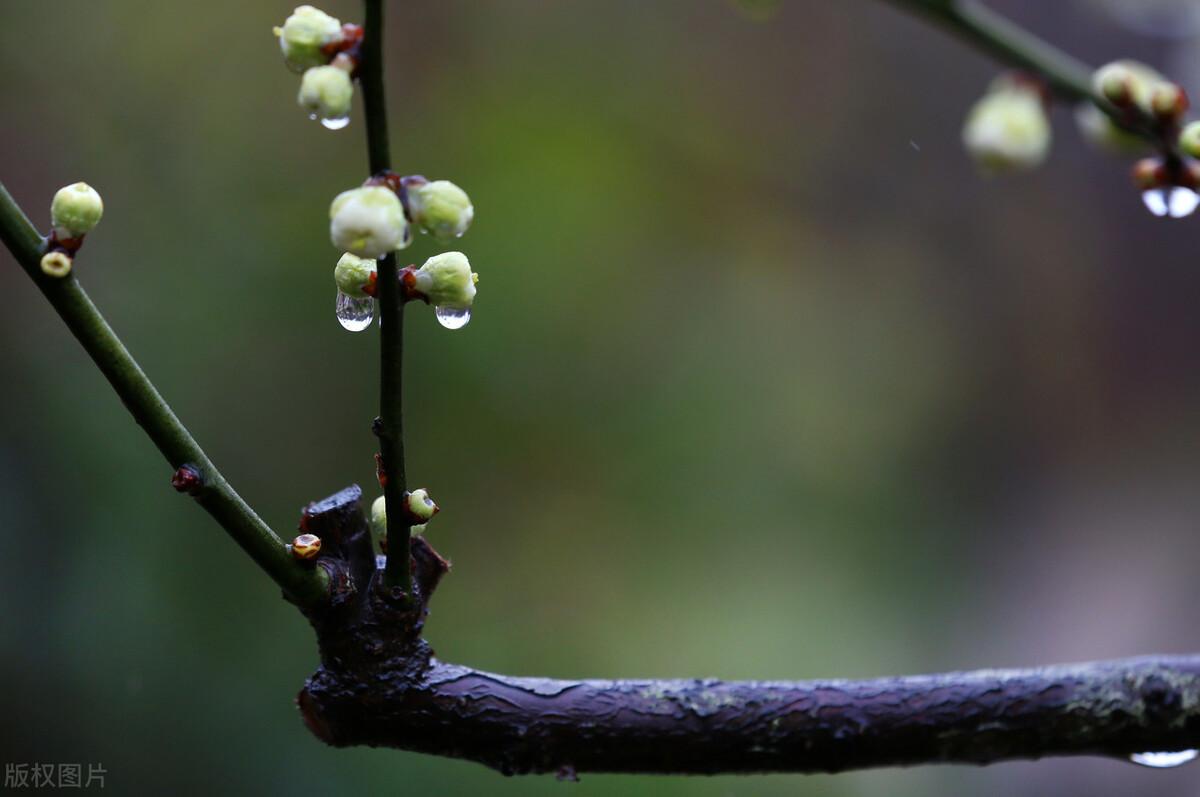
{"x": 326, "y": 51}
{"x": 1140, "y": 95}
{"x": 418, "y": 507}
{"x": 375, "y": 219}
{"x": 74, "y": 212}
{"x": 1008, "y": 129}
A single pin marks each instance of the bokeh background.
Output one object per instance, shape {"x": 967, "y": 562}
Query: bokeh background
{"x": 763, "y": 381}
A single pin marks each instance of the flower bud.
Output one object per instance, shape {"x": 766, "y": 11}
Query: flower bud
{"x": 56, "y": 264}
{"x": 1169, "y": 101}
{"x": 75, "y": 210}
{"x": 419, "y": 506}
{"x": 446, "y": 280}
{"x": 305, "y": 34}
{"x": 355, "y": 276}
{"x": 306, "y": 546}
{"x": 1189, "y": 139}
{"x": 441, "y": 208}
{"x": 1007, "y": 130}
{"x": 368, "y": 222}
{"x": 326, "y": 92}
{"x": 1104, "y": 134}
{"x": 379, "y": 520}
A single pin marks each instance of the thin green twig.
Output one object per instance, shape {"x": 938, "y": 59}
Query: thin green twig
{"x": 390, "y": 428}
{"x": 305, "y": 584}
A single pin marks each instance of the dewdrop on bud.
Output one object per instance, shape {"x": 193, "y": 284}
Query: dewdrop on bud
{"x": 326, "y": 92}
{"x": 304, "y": 36}
{"x": 75, "y": 210}
{"x": 368, "y": 222}
{"x": 355, "y": 278}
{"x": 1007, "y": 129}
{"x": 419, "y": 506}
{"x": 447, "y": 282}
{"x": 56, "y": 264}
{"x": 306, "y": 546}
{"x": 1161, "y": 194}
{"x": 440, "y": 208}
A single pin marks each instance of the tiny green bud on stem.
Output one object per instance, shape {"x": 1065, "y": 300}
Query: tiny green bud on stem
{"x": 1189, "y": 139}
{"x": 440, "y": 208}
{"x": 355, "y": 276}
{"x": 326, "y": 92}
{"x": 305, "y": 37}
{"x": 1008, "y": 130}
{"x": 1169, "y": 102}
{"x": 75, "y": 210}
{"x": 419, "y": 507}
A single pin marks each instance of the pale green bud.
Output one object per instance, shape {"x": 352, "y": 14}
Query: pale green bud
{"x": 303, "y": 36}
{"x": 368, "y": 222}
{"x": 441, "y": 208}
{"x": 447, "y": 281}
{"x": 56, "y": 264}
{"x": 326, "y": 92}
{"x": 379, "y": 519}
{"x": 1189, "y": 139}
{"x": 1127, "y": 82}
{"x": 420, "y": 506}
{"x": 1007, "y": 130}
{"x": 353, "y": 273}
{"x": 75, "y": 210}
{"x": 1103, "y": 133}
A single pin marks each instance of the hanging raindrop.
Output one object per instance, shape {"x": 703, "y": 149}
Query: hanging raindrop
{"x": 1164, "y": 760}
{"x": 1172, "y": 201}
{"x": 336, "y": 123}
{"x": 354, "y": 314}
{"x": 453, "y": 317}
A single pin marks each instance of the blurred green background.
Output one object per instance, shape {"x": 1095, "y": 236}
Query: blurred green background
{"x": 763, "y": 380}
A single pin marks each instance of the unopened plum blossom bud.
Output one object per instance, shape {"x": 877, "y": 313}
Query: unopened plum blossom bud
{"x": 56, "y": 264}
{"x": 1169, "y": 101}
{"x": 368, "y": 222}
{"x": 1189, "y": 139}
{"x": 1007, "y": 130}
{"x": 1126, "y": 84}
{"x": 326, "y": 92}
{"x": 355, "y": 276}
{"x": 305, "y": 34}
{"x": 440, "y": 208}
{"x": 379, "y": 520}
{"x": 75, "y": 210}
{"x": 419, "y": 506}
{"x": 446, "y": 280}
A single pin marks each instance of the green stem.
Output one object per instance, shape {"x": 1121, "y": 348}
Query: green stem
{"x": 390, "y": 428}
{"x": 304, "y": 584}
{"x": 1006, "y": 41}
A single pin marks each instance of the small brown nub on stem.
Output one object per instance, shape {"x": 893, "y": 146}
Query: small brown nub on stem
{"x": 187, "y": 480}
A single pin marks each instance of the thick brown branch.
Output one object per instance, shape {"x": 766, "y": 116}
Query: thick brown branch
{"x": 520, "y": 725}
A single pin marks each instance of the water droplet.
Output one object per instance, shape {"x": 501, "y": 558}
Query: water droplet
{"x": 312, "y": 117}
{"x": 354, "y": 314}
{"x": 453, "y": 317}
{"x": 1164, "y": 760}
{"x": 1172, "y": 201}
{"x": 336, "y": 123}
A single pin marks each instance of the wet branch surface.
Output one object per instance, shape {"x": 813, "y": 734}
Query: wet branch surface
{"x": 380, "y": 685}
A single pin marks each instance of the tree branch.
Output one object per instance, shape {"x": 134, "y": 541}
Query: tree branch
{"x": 146, "y": 405}
{"x": 390, "y": 428}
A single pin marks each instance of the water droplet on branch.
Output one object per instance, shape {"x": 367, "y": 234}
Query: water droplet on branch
{"x": 1172, "y": 201}
{"x": 1164, "y": 760}
{"x": 354, "y": 314}
{"x": 336, "y": 124}
{"x": 453, "y": 317}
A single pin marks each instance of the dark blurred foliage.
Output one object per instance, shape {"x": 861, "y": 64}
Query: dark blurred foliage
{"x": 763, "y": 380}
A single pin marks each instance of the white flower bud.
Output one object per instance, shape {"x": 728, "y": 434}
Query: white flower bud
{"x": 379, "y": 521}
{"x": 441, "y": 208}
{"x": 420, "y": 506}
{"x": 326, "y": 92}
{"x": 446, "y": 280}
{"x": 75, "y": 210}
{"x": 303, "y": 36}
{"x": 353, "y": 273}
{"x": 1007, "y": 130}
{"x": 368, "y": 222}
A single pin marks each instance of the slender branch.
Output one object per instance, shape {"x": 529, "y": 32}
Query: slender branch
{"x": 1009, "y": 43}
{"x": 520, "y": 725}
{"x": 304, "y": 584}
{"x": 390, "y": 428}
